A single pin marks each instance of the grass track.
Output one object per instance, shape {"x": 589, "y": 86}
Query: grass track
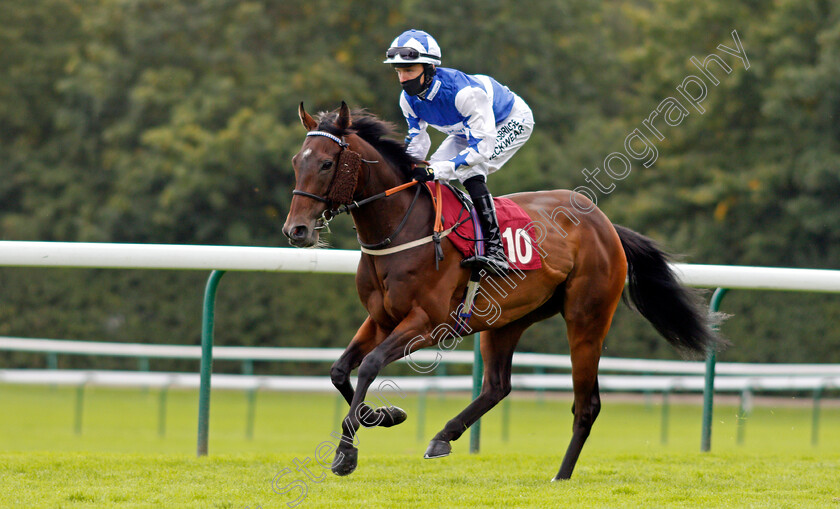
{"x": 120, "y": 461}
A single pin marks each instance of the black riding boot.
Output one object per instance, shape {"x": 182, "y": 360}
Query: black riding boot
{"x": 494, "y": 258}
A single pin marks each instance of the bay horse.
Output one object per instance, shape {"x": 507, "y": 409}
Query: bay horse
{"x": 352, "y": 160}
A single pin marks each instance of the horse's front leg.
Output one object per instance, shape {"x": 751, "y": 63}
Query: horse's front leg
{"x": 365, "y": 340}
{"x": 367, "y": 337}
{"x": 391, "y": 349}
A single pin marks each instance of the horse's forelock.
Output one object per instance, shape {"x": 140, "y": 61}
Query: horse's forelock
{"x": 326, "y": 123}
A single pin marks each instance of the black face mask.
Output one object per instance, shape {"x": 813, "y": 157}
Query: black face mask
{"x": 414, "y": 86}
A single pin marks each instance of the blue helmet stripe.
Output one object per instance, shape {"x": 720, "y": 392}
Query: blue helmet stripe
{"x": 420, "y": 36}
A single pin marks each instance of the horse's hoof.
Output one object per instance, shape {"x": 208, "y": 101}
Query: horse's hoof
{"x": 383, "y": 416}
{"x": 391, "y": 416}
{"x": 345, "y": 461}
{"x": 437, "y": 449}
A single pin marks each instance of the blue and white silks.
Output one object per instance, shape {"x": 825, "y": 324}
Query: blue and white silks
{"x": 477, "y": 113}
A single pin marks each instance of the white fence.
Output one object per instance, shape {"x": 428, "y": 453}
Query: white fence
{"x": 225, "y": 258}
{"x": 618, "y": 375}
{"x": 524, "y": 360}
{"x": 268, "y": 259}
{"x": 625, "y": 375}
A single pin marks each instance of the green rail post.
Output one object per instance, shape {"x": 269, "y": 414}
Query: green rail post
{"x": 252, "y": 408}
{"x": 506, "y": 419}
{"x": 339, "y": 399}
{"x": 52, "y": 363}
{"x": 143, "y": 365}
{"x": 540, "y": 392}
{"x": 663, "y": 436}
{"x": 80, "y": 408}
{"x": 743, "y": 412}
{"x": 421, "y": 415}
{"x": 478, "y": 371}
{"x": 709, "y": 389}
{"x": 815, "y": 417}
{"x": 248, "y": 369}
{"x": 207, "y": 322}
{"x": 441, "y": 371}
{"x": 162, "y": 411}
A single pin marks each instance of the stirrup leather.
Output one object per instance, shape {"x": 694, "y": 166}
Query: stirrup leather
{"x": 494, "y": 257}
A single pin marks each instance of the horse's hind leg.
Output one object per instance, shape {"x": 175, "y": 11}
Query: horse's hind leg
{"x": 497, "y": 352}
{"x": 588, "y": 320}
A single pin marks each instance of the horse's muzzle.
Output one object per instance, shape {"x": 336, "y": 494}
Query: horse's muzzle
{"x": 301, "y": 236}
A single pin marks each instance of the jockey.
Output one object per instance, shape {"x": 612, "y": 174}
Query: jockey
{"x": 485, "y": 122}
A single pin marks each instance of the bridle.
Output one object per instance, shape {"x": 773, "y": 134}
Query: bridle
{"x": 328, "y": 199}
{"x": 347, "y": 172}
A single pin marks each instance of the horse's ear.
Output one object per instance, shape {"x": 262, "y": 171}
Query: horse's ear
{"x": 307, "y": 121}
{"x": 343, "y": 121}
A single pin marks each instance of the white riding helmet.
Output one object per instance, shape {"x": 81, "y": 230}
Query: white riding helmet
{"x": 413, "y": 47}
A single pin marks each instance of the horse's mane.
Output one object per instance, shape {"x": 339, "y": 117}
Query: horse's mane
{"x": 379, "y": 133}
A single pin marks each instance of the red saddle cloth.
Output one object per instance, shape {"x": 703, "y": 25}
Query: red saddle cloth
{"x": 517, "y": 236}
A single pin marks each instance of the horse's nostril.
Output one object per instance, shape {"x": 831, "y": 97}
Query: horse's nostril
{"x": 299, "y": 233}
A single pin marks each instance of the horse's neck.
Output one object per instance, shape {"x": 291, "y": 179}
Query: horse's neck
{"x": 378, "y": 219}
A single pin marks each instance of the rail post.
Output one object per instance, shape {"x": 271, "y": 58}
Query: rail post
{"x": 207, "y": 322}
{"x": 248, "y": 369}
{"x": 815, "y": 417}
{"x": 663, "y": 431}
{"x": 80, "y": 408}
{"x": 421, "y": 415}
{"x": 709, "y": 388}
{"x": 478, "y": 370}
{"x": 162, "y": 395}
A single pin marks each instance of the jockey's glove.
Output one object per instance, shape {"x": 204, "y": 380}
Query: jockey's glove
{"x": 422, "y": 173}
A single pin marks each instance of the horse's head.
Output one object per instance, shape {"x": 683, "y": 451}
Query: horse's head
{"x": 326, "y": 173}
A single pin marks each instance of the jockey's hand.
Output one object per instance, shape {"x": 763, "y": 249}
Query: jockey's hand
{"x": 422, "y": 173}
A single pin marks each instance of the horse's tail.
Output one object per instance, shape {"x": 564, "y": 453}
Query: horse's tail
{"x": 677, "y": 312}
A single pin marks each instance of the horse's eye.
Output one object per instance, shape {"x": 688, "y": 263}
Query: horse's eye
{"x": 326, "y": 166}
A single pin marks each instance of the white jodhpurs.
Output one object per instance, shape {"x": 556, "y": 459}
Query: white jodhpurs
{"x": 511, "y": 134}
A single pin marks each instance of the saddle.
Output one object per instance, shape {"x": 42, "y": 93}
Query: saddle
{"x": 518, "y": 237}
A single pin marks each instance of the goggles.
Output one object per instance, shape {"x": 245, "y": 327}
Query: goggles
{"x": 407, "y": 53}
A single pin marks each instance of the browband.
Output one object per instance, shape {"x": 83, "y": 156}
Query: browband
{"x": 328, "y": 135}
